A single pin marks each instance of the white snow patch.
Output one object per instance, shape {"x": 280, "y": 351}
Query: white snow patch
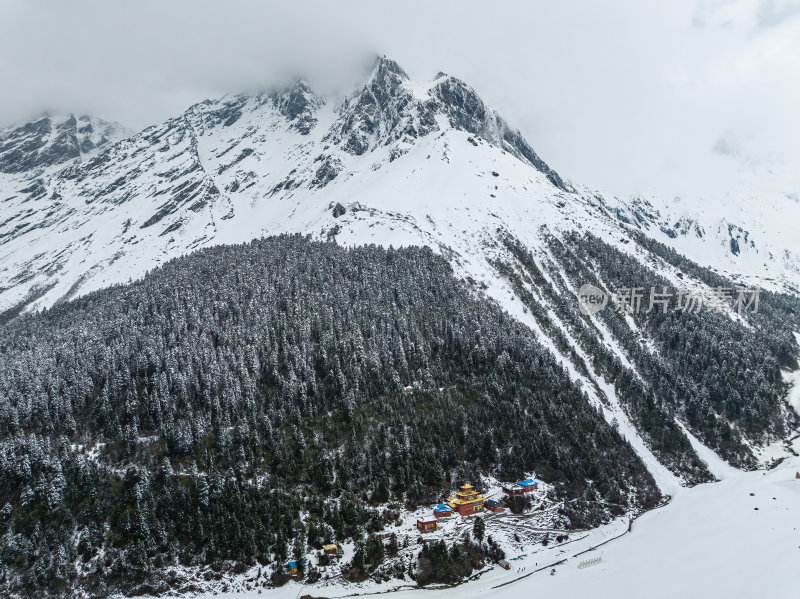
{"x": 715, "y": 464}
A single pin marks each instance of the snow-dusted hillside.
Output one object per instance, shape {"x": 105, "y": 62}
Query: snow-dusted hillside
{"x": 395, "y": 162}
{"x": 167, "y": 364}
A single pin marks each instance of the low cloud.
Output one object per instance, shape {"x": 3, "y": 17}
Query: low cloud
{"x": 624, "y": 95}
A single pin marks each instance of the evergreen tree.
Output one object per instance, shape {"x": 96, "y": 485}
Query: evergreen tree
{"x": 478, "y": 528}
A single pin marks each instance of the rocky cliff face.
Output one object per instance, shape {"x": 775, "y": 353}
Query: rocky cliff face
{"x": 54, "y": 140}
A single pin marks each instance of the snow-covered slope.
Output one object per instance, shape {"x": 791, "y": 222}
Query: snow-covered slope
{"x": 395, "y": 162}
{"x": 750, "y": 236}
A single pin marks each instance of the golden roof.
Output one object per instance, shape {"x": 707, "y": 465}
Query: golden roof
{"x": 476, "y": 498}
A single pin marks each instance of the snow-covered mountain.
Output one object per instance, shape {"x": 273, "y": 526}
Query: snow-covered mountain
{"x": 244, "y": 166}
{"x": 750, "y": 235}
{"x": 52, "y": 140}
{"x": 406, "y": 162}
{"x": 394, "y": 162}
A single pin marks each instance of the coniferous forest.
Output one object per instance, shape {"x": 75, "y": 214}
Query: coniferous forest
{"x": 721, "y": 375}
{"x": 718, "y": 372}
{"x": 245, "y": 403}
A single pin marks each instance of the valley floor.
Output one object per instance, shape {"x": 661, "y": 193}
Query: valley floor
{"x": 736, "y": 538}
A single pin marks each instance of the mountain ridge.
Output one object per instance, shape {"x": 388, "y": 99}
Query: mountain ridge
{"x": 51, "y": 140}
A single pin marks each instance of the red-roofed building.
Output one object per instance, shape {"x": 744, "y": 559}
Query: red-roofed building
{"x": 494, "y": 506}
{"x": 426, "y": 524}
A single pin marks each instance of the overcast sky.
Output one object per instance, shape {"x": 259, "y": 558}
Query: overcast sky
{"x": 630, "y": 96}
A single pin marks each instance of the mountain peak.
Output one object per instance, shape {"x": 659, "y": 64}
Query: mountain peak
{"x": 467, "y": 111}
{"x": 388, "y": 110}
{"x": 298, "y": 104}
{"x": 385, "y": 81}
{"x": 50, "y": 139}
{"x": 386, "y": 67}
{"x": 383, "y": 111}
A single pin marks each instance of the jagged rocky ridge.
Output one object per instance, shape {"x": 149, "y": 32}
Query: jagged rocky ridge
{"x": 203, "y": 167}
{"x": 54, "y": 140}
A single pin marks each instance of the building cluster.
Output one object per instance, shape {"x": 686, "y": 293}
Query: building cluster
{"x": 468, "y": 501}
{"x": 297, "y": 567}
{"x": 464, "y": 502}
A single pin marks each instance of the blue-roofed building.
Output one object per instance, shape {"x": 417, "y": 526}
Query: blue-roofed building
{"x": 442, "y": 510}
{"x": 528, "y": 484}
{"x": 294, "y": 567}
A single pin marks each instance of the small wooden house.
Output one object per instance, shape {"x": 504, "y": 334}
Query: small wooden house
{"x": 332, "y": 549}
{"x": 295, "y": 567}
{"x": 426, "y": 524}
{"x": 384, "y": 534}
{"x": 504, "y": 564}
{"x": 494, "y": 506}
